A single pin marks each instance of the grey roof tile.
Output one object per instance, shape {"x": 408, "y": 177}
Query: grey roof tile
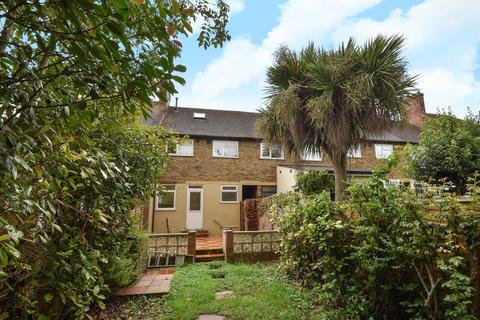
{"x": 240, "y": 124}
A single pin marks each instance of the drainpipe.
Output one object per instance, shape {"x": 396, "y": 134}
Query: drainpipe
{"x": 153, "y": 208}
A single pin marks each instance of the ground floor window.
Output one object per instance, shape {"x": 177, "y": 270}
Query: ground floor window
{"x": 166, "y": 198}
{"x": 267, "y": 191}
{"x": 229, "y": 194}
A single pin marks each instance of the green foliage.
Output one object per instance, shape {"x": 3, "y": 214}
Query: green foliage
{"x": 309, "y": 182}
{"x": 449, "y": 149}
{"x": 72, "y": 160}
{"x": 69, "y": 219}
{"x": 324, "y": 100}
{"x": 379, "y": 255}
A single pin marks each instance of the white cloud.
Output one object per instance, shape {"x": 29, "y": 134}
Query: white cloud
{"x": 238, "y": 64}
{"x": 243, "y": 62}
{"x": 236, "y": 6}
{"x": 444, "y": 89}
{"x": 442, "y": 46}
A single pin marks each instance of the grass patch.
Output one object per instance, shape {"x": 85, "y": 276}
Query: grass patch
{"x": 259, "y": 292}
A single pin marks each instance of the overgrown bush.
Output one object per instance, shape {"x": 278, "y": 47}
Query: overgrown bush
{"x": 68, "y": 231}
{"x": 380, "y": 255}
{"x": 315, "y": 181}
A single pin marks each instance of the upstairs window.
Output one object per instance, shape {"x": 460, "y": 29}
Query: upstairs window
{"x": 166, "y": 198}
{"x": 225, "y": 149}
{"x": 383, "y": 151}
{"x": 311, "y": 156}
{"x": 229, "y": 194}
{"x": 355, "y": 151}
{"x": 274, "y": 151}
{"x": 184, "y": 149}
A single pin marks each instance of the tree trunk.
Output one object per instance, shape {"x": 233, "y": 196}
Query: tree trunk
{"x": 340, "y": 169}
{"x": 7, "y": 27}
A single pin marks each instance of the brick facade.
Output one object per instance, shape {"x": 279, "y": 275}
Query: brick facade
{"x": 248, "y": 166}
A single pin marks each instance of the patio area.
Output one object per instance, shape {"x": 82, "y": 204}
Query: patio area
{"x": 153, "y": 281}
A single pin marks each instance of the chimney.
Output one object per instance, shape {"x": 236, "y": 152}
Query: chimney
{"x": 416, "y": 110}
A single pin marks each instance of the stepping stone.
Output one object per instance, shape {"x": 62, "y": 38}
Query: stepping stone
{"x": 223, "y": 294}
{"x": 210, "y": 317}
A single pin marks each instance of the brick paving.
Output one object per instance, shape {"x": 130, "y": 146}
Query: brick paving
{"x": 153, "y": 281}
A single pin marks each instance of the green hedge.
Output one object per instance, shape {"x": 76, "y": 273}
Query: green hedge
{"x": 68, "y": 234}
{"x": 379, "y": 255}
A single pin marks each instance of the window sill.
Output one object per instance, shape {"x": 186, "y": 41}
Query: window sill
{"x": 179, "y": 155}
{"x": 225, "y": 157}
{"x": 229, "y": 202}
{"x": 165, "y": 209}
{"x": 272, "y": 158}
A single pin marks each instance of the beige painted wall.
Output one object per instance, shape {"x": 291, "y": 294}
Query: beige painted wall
{"x": 227, "y": 214}
{"x": 286, "y": 179}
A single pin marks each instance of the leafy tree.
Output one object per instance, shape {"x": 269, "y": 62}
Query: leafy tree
{"x": 327, "y": 100}
{"x": 449, "y": 148}
{"x": 72, "y": 162}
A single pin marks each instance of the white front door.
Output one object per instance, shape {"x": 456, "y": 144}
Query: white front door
{"x": 195, "y": 207}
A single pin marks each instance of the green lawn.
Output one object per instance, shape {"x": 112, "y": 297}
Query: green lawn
{"x": 259, "y": 293}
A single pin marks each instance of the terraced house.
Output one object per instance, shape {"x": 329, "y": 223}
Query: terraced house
{"x": 224, "y": 161}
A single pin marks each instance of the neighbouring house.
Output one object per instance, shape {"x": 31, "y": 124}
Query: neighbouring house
{"x": 224, "y": 162}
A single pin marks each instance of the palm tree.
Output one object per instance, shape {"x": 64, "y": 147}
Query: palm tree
{"x": 322, "y": 100}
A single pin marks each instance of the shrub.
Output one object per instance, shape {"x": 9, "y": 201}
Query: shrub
{"x": 309, "y": 182}
{"x": 378, "y": 255}
{"x": 68, "y": 233}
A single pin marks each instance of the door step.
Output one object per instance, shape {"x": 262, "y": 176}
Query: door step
{"x": 209, "y": 257}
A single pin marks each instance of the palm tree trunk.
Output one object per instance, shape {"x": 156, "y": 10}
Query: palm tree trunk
{"x": 340, "y": 169}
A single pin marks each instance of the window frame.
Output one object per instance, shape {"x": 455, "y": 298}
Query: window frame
{"x": 263, "y": 145}
{"x": 381, "y": 145}
{"x": 304, "y": 158}
{"x": 228, "y": 191}
{"x": 176, "y": 154}
{"x": 223, "y": 153}
{"x": 157, "y": 200}
{"x": 351, "y": 154}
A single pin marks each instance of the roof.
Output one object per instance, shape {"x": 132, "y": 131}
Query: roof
{"x": 217, "y": 123}
{"x": 240, "y": 124}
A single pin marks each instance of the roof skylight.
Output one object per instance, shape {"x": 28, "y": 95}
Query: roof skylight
{"x": 199, "y": 115}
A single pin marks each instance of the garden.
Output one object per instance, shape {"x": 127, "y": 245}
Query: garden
{"x": 76, "y": 78}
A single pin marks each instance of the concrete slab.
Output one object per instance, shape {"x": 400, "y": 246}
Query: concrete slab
{"x": 153, "y": 281}
{"x": 223, "y": 294}
{"x": 210, "y": 317}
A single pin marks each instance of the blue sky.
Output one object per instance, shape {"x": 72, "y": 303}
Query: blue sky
{"x": 443, "y": 46}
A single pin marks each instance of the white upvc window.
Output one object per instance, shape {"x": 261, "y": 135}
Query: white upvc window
{"x": 229, "y": 194}
{"x": 225, "y": 149}
{"x": 355, "y": 151}
{"x": 390, "y": 183}
{"x": 273, "y": 151}
{"x": 383, "y": 151}
{"x": 311, "y": 156}
{"x": 184, "y": 149}
{"x": 166, "y": 198}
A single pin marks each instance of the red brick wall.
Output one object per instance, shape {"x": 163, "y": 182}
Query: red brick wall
{"x": 416, "y": 110}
